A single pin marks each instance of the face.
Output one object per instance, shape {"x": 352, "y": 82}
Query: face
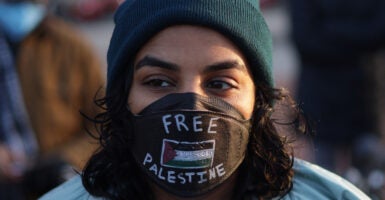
{"x": 183, "y": 59}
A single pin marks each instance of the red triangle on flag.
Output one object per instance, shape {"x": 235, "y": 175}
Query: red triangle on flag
{"x": 168, "y": 153}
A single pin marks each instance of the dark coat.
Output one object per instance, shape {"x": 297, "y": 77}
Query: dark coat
{"x": 337, "y": 31}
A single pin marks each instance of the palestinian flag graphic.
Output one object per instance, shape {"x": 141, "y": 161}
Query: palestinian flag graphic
{"x": 187, "y": 155}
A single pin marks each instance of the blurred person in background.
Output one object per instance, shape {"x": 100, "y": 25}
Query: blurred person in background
{"x": 84, "y": 10}
{"x": 335, "y": 39}
{"x": 48, "y": 74}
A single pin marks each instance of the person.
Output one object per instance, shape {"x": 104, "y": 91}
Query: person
{"x": 188, "y": 107}
{"x": 334, "y": 40}
{"x": 48, "y": 74}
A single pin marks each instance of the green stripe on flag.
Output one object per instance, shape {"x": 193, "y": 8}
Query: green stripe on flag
{"x": 190, "y": 164}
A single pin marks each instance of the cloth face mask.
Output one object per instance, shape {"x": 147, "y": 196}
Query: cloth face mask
{"x": 189, "y": 144}
{"x": 17, "y": 20}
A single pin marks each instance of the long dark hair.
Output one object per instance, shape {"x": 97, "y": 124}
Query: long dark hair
{"x": 112, "y": 173}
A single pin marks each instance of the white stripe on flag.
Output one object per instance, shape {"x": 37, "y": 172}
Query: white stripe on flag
{"x": 193, "y": 155}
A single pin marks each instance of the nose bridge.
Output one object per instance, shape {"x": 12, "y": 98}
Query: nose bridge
{"x": 192, "y": 84}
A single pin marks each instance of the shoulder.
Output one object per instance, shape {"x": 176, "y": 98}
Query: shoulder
{"x": 312, "y": 181}
{"x": 71, "y": 190}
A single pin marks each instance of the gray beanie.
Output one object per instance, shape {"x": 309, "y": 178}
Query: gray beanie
{"x": 241, "y": 21}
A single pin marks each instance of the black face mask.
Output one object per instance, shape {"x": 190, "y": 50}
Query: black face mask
{"x": 189, "y": 144}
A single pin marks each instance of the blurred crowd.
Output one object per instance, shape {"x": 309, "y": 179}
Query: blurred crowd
{"x": 84, "y": 10}
{"x": 49, "y": 75}
{"x": 340, "y": 83}
{"x": 49, "y": 72}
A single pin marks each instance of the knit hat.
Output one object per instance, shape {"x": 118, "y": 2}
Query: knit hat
{"x": 241, "y": 21}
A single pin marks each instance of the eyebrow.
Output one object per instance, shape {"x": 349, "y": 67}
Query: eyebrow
{"x": 151, "y": 61}
{"x": 155, "y": 62}
{"x": 229, "y": 64}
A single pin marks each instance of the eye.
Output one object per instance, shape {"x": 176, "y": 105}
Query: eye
{"x": 221, "y": 84}
{"x": 158, "y": 82}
